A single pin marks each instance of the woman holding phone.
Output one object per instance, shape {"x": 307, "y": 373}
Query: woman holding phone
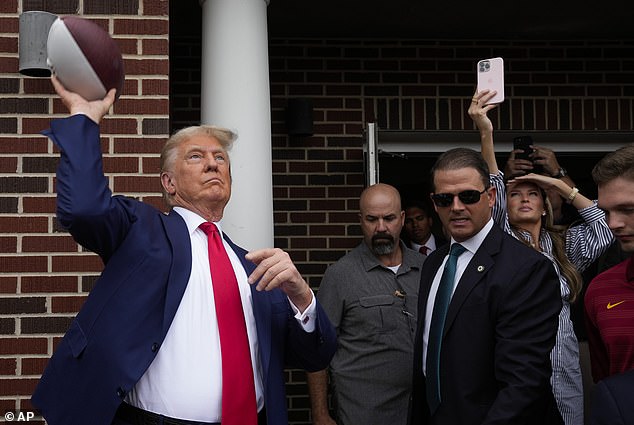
{"x": 522, "y": 209}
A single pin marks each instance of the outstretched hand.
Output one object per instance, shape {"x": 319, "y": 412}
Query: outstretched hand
{"x": 478, "y": 109}
{"x": 276, "y": 269}
{"x": 95, "y": 110}
{"x": 540, "y": 180}
{"x": 517, "y": 167}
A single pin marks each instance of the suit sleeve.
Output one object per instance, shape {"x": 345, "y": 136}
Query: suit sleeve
{"x": 85, "y": 205}
{"x": 525, "y": 332}
{"x": 604, "y": 410}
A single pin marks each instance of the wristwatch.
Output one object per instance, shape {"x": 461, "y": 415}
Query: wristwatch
{"x": 561, "y": 173}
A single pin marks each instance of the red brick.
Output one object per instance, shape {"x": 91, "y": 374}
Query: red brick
{"x": 135, "y": 184}
{"x": 13, "y": 387}
{"x": 48, "y": 284}
{"x": 155, "y": 7}
{"x": 45, "y": 205}
{"x": 8, "y": 44}
{"x": 8, "y": 244}
{"x": 23, "y": 346}
{"x": 34, "y": 125}
{"x": 48, "y": 244}
{"x": 8, "y": 284}
{"x": 138, "y": 145}
{"x": 23, "y": 225}
{"x": 154, "y": 46}
{"x": 142, "y": 107}
{"x": 8, "y": 164}
{"x": 119, "y": 126}
{"x": 23, "y": 264}
{"x": 77, "y": 263}
{"x": 67, "y": 304}
{"x": 9, "y": 405}
{"x": 146, "y": 66}
{"x": 11, "y": 26}
{"x": 128, "y": 46}
{"x": 8, "y": 366}
{"x": 33, "y": 365}
{"x": 151, "y": 165}
{"x": 121, "y": 164}
{"x": 155, "y": 87}
{"x": 141, "y": 26}
{"x": 8, "y": 64}
{"x": 23, "y": 145}
{"x": 9, "y": 6}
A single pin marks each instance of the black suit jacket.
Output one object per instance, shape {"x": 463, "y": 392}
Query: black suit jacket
{"x": 500, "y": 328}
{"x": 613, "y": 400}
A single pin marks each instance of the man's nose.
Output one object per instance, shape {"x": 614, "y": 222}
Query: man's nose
{"x": 456, "y": 203}
{"x": 210, "y": 163}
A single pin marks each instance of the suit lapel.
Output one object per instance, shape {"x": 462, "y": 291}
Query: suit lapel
{"x": 261, "y": 308}
{"x": 181, "y": 266}
{"x": 476, "y": 270}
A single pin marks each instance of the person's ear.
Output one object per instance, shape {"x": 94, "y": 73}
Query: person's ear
{"x": 168, "y": 183}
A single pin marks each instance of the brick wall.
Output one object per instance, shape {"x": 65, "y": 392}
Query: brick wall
{"x": 44, "y": 275}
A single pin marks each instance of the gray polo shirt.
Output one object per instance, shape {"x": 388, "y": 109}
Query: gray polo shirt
{"x": 374, "y": 312}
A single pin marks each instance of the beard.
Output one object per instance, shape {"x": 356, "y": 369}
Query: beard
{"x": 383, "y": 244}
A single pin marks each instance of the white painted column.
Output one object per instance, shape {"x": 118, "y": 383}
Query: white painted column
{"x": 235, "y": 94}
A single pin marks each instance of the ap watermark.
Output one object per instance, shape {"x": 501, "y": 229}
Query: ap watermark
{"x": 19, "y": 416}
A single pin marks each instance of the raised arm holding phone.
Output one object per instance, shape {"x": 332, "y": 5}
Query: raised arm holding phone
{"x": 523, "y": 210}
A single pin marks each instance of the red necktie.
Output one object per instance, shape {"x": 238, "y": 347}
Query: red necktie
{"x": 239, "y": 406}
{"x": 423, "y": 250}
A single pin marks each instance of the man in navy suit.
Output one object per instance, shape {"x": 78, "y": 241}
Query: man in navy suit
{"x": 145, "y": 347}
{"x": 493, "y": 365}
{"x": 612, "y": 402}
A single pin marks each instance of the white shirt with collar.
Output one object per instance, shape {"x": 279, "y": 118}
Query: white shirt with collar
{"x": 430, "y": 244}
{"x": 472, "y": 244}
{"x": 185, "y": 379}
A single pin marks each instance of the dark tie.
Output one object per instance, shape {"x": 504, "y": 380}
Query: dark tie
{"x": 441, "y": 305}
{"x": 423, "y": 250}
{"x": 239, "y": 406}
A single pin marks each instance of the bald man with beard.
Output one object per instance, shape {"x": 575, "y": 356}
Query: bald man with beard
{"x": 370, "y": 296}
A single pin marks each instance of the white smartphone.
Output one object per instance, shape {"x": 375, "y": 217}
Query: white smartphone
{"x": 491, "y": 76}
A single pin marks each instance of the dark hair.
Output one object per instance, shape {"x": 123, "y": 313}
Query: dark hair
{"x": 619, "y": 163}
{"x": 457, "y": 158}
{"x": 421, "y": 204}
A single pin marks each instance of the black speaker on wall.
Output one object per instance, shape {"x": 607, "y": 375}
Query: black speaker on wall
{"x": 299, "y": 117}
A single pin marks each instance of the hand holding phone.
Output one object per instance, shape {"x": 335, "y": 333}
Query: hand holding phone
{"x": 490, "y": 75}
{"x": 524, "y": 143}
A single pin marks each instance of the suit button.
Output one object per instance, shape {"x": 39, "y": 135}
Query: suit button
{"x": 155, "y": 347}
{"x": 120, "y": 392}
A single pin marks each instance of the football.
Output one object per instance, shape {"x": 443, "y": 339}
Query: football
{"x": 84, "y": 57}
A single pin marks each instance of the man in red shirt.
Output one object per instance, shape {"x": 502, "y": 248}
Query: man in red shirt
{"x": 609, "y": 300}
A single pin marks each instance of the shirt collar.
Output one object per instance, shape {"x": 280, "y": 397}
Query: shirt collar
{"x": 193, "y": 220}
{"x": 473, "y": 243}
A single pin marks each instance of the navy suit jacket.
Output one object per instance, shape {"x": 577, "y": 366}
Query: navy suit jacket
{"x": 122, "y": 324}
{"x": 500, "y": 328}
{"x": 613, "y": 400}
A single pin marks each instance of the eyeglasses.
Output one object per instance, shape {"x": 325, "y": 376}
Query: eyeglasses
{"x": 466, "y": 197}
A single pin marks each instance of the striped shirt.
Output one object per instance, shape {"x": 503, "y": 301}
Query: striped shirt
{"x": 584, "y": 243}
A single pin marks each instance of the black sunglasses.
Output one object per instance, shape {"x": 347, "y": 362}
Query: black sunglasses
{"x": 466, "y": 197}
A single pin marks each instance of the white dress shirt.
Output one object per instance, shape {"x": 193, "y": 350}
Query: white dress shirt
{"x": 472, "y": 244}
{"x": 185, "y": 379}
{"x": 430, "y": 244}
